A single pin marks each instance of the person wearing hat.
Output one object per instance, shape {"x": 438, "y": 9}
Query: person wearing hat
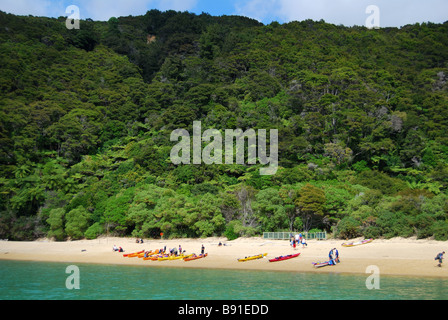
{"x": 440, "y": 258}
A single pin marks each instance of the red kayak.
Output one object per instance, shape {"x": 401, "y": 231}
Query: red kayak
{"x": 290, "y": 256}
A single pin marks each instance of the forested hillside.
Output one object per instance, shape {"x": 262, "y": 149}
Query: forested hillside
{"x": 86, "y": 117}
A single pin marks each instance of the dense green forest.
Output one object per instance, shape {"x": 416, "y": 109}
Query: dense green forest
{"x": 86, "y": 117}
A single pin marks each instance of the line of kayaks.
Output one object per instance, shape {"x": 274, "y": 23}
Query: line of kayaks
{"x": 159, "y": 256}
{"x": 156, "y": 256}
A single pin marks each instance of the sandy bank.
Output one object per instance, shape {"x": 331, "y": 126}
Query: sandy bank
{"x": 393, "y": 257}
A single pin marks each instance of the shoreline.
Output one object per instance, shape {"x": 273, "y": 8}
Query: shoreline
{"x": 394, "y": 257}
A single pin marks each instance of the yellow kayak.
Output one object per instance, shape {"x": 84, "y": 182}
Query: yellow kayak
{"x": 180, "y": 257}
{"x": 253, "y": 257}
{"x": 164, "y": 258}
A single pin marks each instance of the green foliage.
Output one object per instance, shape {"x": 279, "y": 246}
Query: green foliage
{"x": 310, "y": 204}
{"x": 348, "y": 228}
{"x": 86, "y": 117}
{"x": 394, "y": 224}
{"x": 94, "y": 231}
{"x": 381, "y": 181}
{"x": 56, "y": 222}
{"x": 270, "y": 210}
{"x": 77, "y": 222}
{"x": 230, "y": 232}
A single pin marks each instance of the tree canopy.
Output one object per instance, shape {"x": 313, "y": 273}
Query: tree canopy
{"x": 86, "y": 117}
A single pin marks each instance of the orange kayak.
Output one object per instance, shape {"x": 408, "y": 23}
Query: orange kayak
{"x": 131, "y": 255}
{"x": 155, "y": 258}
{"x": 150, "y": 255}
{"x": 195, "y": 258}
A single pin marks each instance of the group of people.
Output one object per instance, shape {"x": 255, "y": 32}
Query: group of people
{"x": 117, "y": 249}
{"x": 172, "y": 252}
{"x": 298, "y": 239}
{"x": 178, "y": 251}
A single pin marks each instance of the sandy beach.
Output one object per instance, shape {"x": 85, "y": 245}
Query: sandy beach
{"x": 404, "y": 257}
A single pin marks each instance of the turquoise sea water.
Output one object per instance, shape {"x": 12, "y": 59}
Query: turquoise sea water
{"x": 47, "y": 281}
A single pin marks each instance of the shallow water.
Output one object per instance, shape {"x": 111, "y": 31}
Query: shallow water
{"x": 21, "y": 280}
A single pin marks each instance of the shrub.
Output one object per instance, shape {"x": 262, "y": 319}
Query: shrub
{"x": 77, "y": 222}
{"x": 236, "y": 229}
{"x": 440, "y": 230}
{"x": 381, "y": 181}
{"x": 56, "y": 222}
{"x": 423, "y": 225}
{"x": 348, "y": 228}
{"x": 230, "y": 232}
{"x": 394, "y": 224}
{"x": 94, "y": 231}
{"x": 371, "y": 232}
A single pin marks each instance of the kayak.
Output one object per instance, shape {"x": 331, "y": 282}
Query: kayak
{"x": 151, "y": 254}
{"x": 148, "y": 258}
{"x": 142, "y": 255}
{"x": 160, "y": 257}
{"x": 260, "y": 256}
{"x": 353, "y": 244}
{"x": 134, "y": 254}
{"x": 323, "y": 264}
{"x": 195, "y": 258}
{"x": 320, "y": 264}
{"x": 180, "y": 257}
{"x": 164, "y": 258}
{"x": 282, "y": 258}
{"x": 155, "y": 257}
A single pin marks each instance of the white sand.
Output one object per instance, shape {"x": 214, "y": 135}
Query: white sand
{"x": 397, "y": 256}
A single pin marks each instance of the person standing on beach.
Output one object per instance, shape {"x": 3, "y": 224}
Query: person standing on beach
{"x": 330, "y": 257}
{"x": 440, "y": 258}
{"x": 202, "y": 250}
